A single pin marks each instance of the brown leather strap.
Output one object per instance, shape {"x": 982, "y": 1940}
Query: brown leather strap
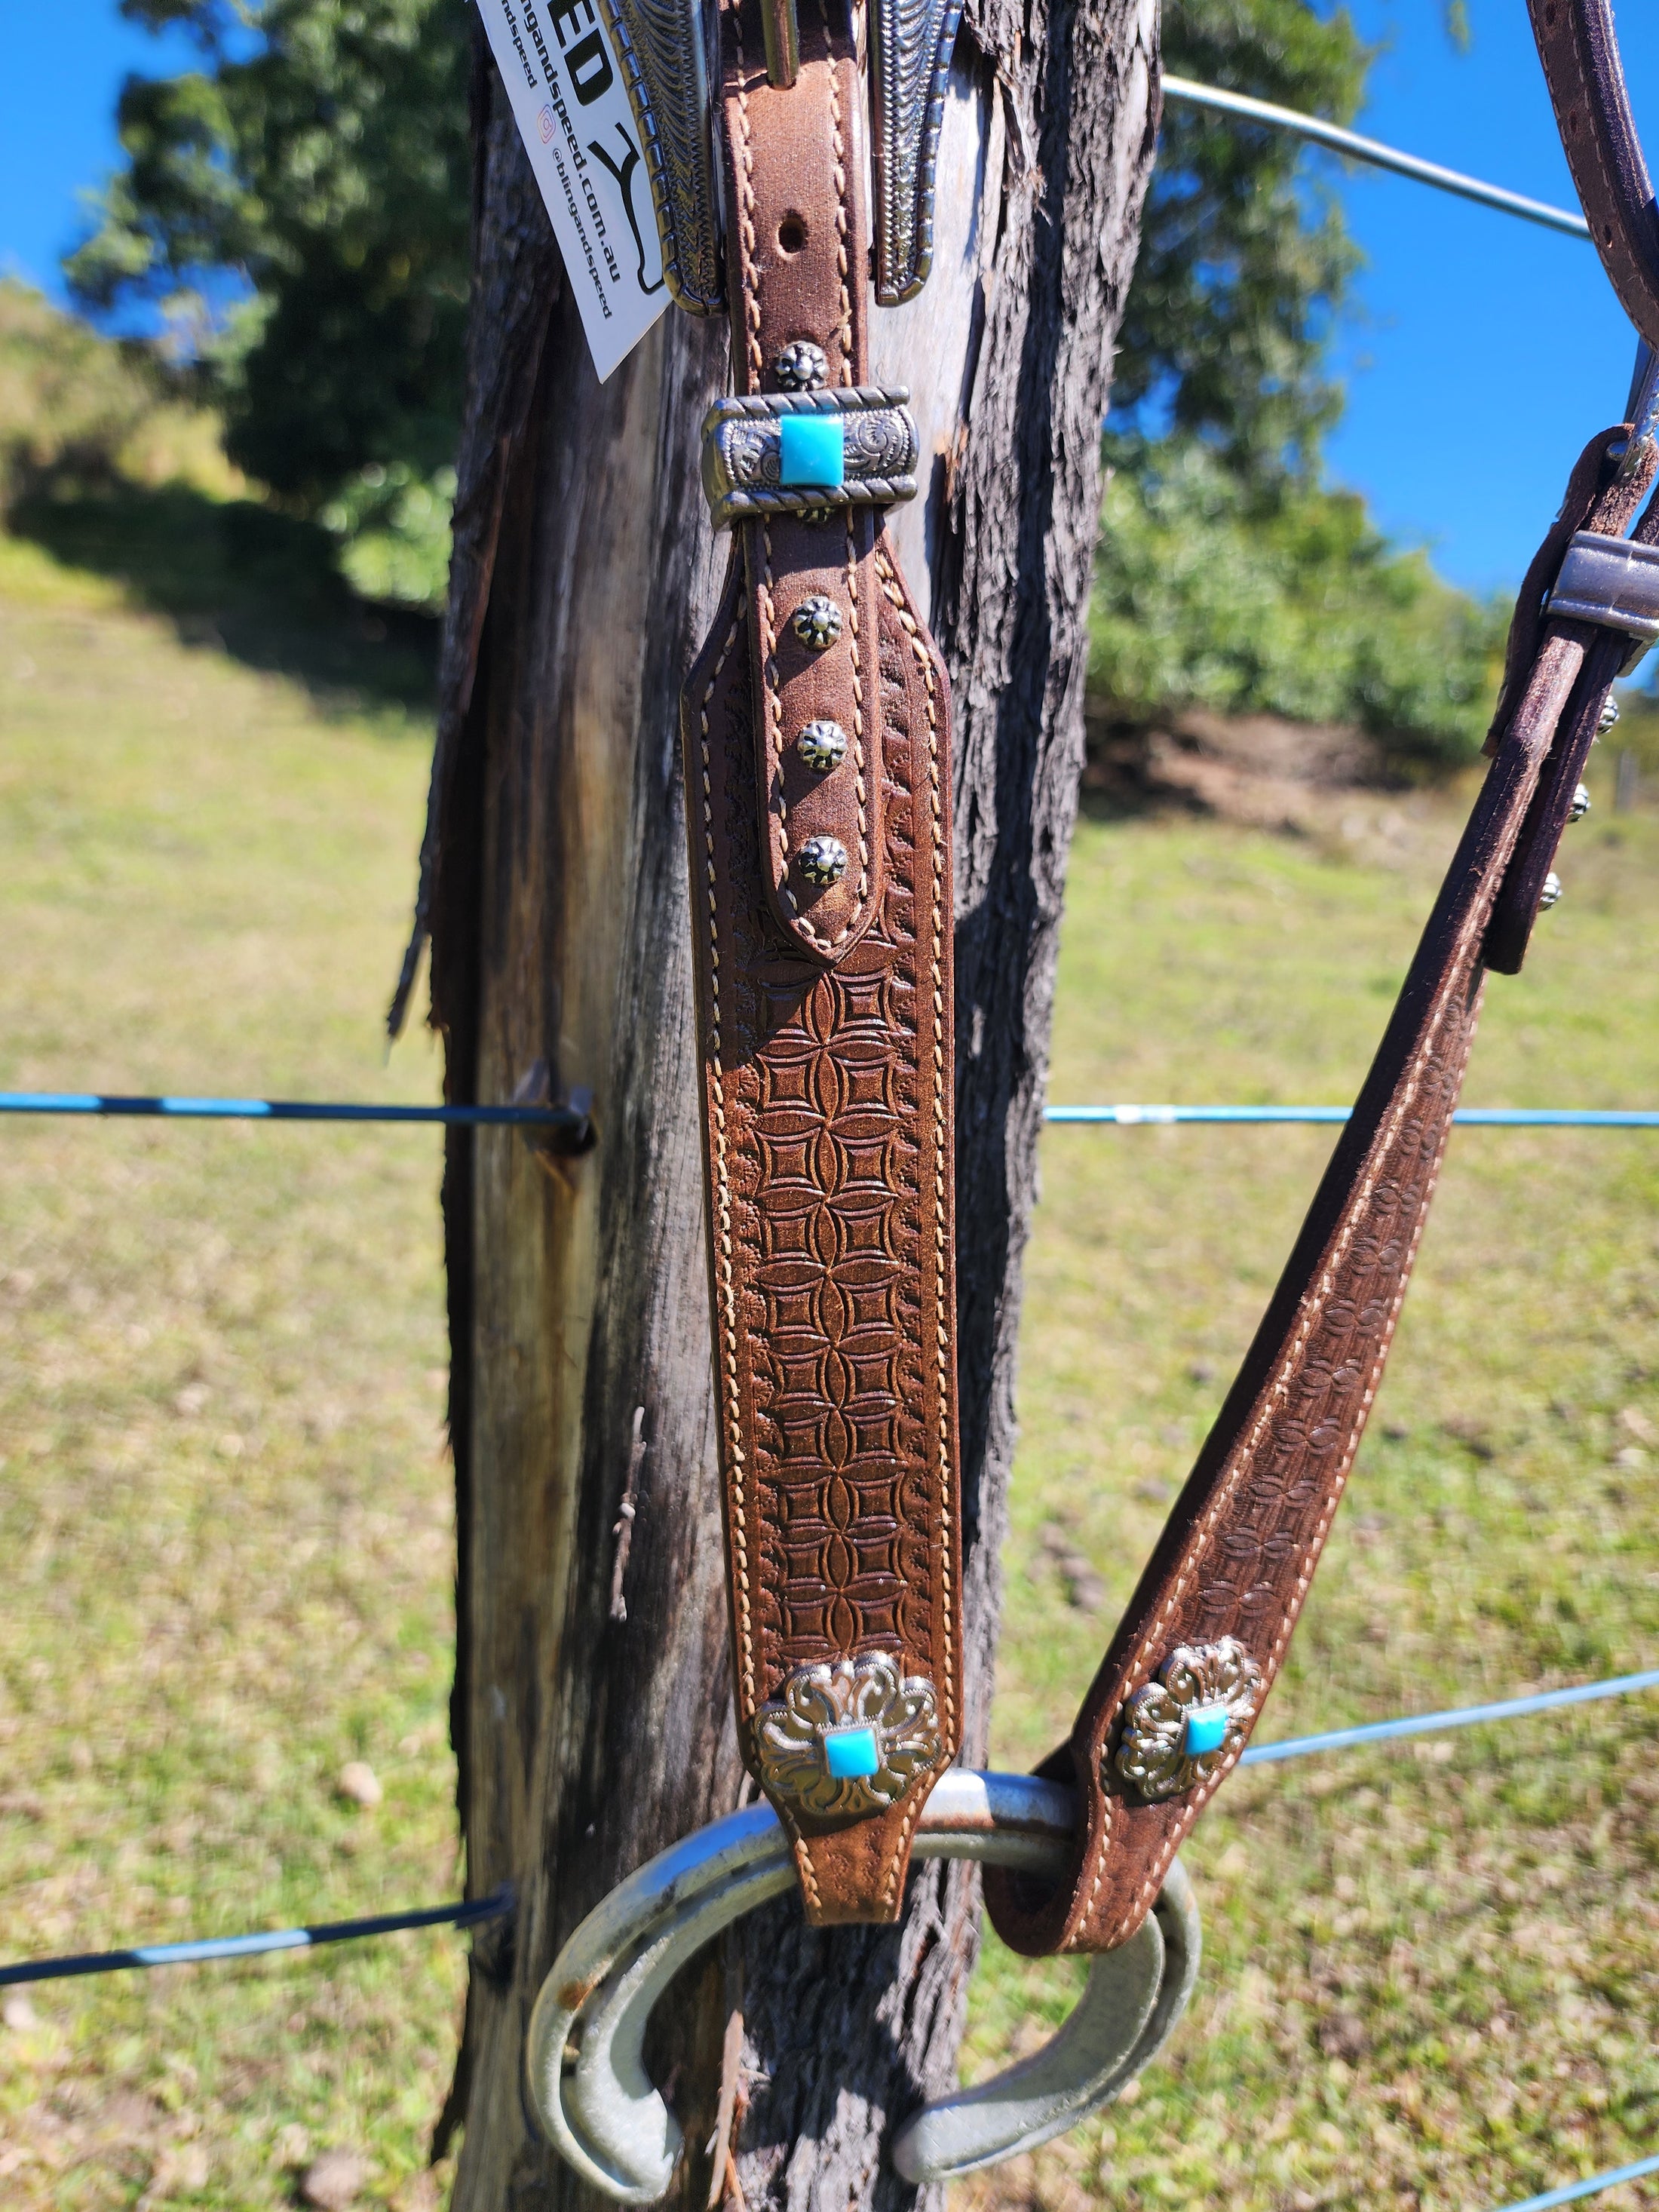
{"x": 824, "y": 1009}
{"x": 1207, "y": 1630}
{"x": 1527, "y": 623}
{"x": 1579, "y": 49}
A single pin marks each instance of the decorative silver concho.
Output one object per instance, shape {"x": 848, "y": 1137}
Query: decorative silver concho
{"x": 743, "y": 447}
{"x": 665, "y": 59}
{"x": 823, "y": 745}
{"x": 910, "y": 47}
{"x": 848, "y": 1739}
{"x": 801, "y": 367}
{"x": 823, "y": 861}
{"x": 817, "y": 623}
{"x": 1182, "y": 1726}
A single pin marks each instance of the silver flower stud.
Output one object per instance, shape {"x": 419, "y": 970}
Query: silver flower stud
{"x": 817, "y": 623}
{"x": 1182, "y": 1726}
{"x": 823, "y": 861}
{"x": 822, "y": 746}
{"x": 848, "y": 1738}
{"x": 801, "y": 367}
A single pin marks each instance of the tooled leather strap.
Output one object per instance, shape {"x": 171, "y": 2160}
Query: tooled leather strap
{"x": 816, "y": 744}
{"x": 1579, "y": 49}
{"x": 1204, "y": 1634}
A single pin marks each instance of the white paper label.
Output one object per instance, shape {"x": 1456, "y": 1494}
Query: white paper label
{"x": 570, "y": 103}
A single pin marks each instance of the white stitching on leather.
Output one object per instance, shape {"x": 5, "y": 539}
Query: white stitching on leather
{"x": 722, "y": 1225}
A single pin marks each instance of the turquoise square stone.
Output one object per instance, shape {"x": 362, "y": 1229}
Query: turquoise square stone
{"x": 812, "y": 449}
{"x": 851, "y": 1755}
{"x": 1206, "y": 1731}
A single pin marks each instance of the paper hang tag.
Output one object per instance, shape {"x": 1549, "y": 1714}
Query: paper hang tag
{"x": 570, "y": 101}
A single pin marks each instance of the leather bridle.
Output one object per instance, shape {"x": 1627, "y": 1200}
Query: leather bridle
{"x": 816, "y": 727}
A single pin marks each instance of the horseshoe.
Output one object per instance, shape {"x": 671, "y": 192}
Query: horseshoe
{"x": 584, "y": 2057}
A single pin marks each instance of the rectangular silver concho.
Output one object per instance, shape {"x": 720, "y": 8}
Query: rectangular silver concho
{"x": 744, "y": 458}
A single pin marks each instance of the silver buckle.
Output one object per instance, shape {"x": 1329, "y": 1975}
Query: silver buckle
{"x": 665, "y": 49}
{"x": 910, "y": 49}
{"x": 1613, "y": 582}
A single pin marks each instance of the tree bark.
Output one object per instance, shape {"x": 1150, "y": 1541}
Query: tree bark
{"x": 554, "y": 886}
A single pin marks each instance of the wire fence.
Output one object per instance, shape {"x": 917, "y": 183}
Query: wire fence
{"x": 1314, "y": 128}
{"x": 500, "y": 1901}
{"x": 578, "y": 1122}
{"x": 571, "y": 1122}
{"x": 471, "y": 1913}
{"x": 1592, "y": 2186}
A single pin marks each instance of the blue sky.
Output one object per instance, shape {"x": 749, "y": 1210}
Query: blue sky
{"x": 1487, "y": 350}
{"x": 1482, "y": 353}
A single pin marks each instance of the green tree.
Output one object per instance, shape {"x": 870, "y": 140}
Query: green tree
{"x": 1242, "y": 265}
{"x": 321, "y": 154}
{"x": 1229, "y": 577}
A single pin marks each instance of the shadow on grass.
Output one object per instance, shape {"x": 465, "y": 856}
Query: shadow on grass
{"x": 260, "y": 585}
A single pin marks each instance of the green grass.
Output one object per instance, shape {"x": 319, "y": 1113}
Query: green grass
{"x": 224, "y": 1503}
{"x": 1432, "y": 1971}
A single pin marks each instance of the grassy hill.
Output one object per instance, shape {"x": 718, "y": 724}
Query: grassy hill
{"x": 1432, "y": 1971}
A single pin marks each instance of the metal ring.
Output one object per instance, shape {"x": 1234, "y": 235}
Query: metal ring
{"x": 584, "y": 2054}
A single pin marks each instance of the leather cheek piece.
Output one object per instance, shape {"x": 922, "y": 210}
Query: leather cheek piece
{"x": 826, "y": 1097}
{"x": 1191, "y": 1664}
{"x": 816, "y": 727}
{"x": 1579, "y": 50}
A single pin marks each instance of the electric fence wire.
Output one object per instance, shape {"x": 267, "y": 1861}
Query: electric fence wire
{"x": 478, "y": 1912}
{"x": 1592, "y": 2186}
{"x": 1471, "y": 1117}
{"x": 111, "y": 1106}
{"x": 471, "y": 1914}
{"x": 115, "y": 1107}
{"x": 1248, "y": 109}
{"x": 500, "y": 1901}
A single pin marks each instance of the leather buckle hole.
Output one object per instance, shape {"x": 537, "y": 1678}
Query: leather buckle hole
{"x": 791, "y": 233}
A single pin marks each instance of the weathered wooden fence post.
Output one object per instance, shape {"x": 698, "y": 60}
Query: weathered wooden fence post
{"x": 592, "y": 1701}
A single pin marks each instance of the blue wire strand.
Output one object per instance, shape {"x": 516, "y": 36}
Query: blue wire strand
{"x": 1592, "y": 2186}
{"x": 471, "y": 1914}
{"x": 111, "y": 1106}
{"x": 284, "y": 1110}
{"x": 1474, "y": 1117}
{"x": 1509, "y": 1709}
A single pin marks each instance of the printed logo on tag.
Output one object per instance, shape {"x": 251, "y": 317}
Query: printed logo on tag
{"x": 569, "y": 101}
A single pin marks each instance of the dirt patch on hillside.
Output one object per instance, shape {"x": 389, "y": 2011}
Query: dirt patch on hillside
{"x": 1254, "y": 768}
